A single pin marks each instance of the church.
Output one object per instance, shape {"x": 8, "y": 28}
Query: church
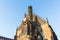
{"x": 34, "y": 27}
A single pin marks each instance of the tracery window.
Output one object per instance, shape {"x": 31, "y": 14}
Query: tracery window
{"x": 28, "y": 31}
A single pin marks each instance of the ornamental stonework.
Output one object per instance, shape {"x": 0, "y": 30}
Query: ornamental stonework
{"x": 34, "y": 27}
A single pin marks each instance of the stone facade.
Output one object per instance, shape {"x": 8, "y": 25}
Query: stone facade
{"x": 34, "y": 27}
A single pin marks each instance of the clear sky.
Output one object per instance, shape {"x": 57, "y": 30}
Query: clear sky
{"x": 12, "y": 13}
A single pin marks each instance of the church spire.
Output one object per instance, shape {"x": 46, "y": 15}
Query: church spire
{"x": 25, "y": 15}
{"x": 30, "y": 12}
{"x": 47, "y": 20}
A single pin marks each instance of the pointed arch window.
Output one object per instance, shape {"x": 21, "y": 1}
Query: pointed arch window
{"x": 28, "y": 30}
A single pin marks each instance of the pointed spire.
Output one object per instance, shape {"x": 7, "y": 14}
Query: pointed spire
{"x": 25, "y": 15}
{"x": 16, "y": 30}
{"x": 36, "y": 18}
{"x": 30, "y": 12}
{"x": 47, "y": 20}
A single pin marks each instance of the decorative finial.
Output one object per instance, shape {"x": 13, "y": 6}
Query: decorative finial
{"x": 47, "y": 20}
{"x": 36, "y": 18}
{"x": 17, "y": 28}
{"x": 25, "y": 15}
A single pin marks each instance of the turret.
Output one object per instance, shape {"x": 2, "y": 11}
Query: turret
{"x": 24, "y": 17}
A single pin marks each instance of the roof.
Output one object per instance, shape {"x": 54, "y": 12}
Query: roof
{"x": 5, "y": 38}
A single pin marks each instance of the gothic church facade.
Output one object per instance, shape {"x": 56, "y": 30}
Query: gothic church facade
{"x": 34, "y": 28}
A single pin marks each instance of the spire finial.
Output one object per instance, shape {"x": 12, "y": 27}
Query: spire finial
{"x": 47, "y": 20}
{"x": 17, "y": 28}
{"x": 36, "y": 18}
{"x": 25, "y": 15}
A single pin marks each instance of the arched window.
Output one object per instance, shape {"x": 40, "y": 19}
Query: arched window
{"x": 28, "y": 30}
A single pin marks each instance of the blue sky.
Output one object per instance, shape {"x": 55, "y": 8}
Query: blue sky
{"x": 12, "y": 13}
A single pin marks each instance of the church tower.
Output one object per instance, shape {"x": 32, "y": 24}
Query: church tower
{"x": 34, "y": 28}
